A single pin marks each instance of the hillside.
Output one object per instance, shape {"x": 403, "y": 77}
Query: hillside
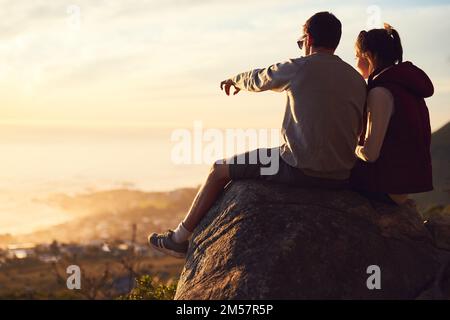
{"x": 440, "y": 152}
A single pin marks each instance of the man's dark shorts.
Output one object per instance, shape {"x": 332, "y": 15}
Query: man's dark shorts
{"x": 262, "y": 164}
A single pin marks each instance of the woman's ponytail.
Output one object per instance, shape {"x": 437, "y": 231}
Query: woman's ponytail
{"x": 396, "y": 43}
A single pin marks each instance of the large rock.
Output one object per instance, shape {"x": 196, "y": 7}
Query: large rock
{"x": 439, "y": 227}
{"x": 268, "y": 241}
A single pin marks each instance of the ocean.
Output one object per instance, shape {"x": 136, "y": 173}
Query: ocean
{"x": 36, "y": 162}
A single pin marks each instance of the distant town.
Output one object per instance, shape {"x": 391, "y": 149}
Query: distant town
{"x": 107, "y": 239}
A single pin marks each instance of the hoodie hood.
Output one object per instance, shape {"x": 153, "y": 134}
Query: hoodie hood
{"x": 410, "y": 77}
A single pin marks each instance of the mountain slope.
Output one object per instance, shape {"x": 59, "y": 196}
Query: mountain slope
{"x": 440, "y": 153}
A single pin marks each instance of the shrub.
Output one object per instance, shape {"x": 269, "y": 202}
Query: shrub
{"x": 147, "y": 289}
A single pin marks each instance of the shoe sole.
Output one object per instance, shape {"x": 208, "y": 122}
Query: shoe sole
{"x": 166, "y": 251}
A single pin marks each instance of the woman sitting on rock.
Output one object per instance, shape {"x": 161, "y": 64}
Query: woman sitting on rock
{"x": 394, "y": 151}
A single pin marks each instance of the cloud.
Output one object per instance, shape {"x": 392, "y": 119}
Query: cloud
{"x": 156, "y": 52}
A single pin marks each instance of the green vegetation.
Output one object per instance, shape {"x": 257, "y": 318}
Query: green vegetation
{"x": 147, "y": 289}
{"x": 103, "y": 278}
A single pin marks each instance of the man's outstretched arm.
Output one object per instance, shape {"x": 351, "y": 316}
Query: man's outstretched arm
{"x": 277, "y": 77}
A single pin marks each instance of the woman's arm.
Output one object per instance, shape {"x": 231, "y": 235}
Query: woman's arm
{"x": 380, "y": 107}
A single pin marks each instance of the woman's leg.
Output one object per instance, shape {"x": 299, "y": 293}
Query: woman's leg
{"x": 217, "y": 179}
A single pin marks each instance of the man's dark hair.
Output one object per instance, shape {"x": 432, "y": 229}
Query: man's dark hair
{"x": 325, "y": 29}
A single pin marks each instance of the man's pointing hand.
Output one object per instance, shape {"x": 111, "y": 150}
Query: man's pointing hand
{"x": 228, "y": 83}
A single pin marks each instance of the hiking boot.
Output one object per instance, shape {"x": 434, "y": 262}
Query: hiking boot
{"x": 165, "y": 244}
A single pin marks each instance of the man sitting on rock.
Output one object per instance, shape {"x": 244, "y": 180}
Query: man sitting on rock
{"x": 322, "y": 123}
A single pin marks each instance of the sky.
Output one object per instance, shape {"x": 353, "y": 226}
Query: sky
{"x": 159, "y": 63}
